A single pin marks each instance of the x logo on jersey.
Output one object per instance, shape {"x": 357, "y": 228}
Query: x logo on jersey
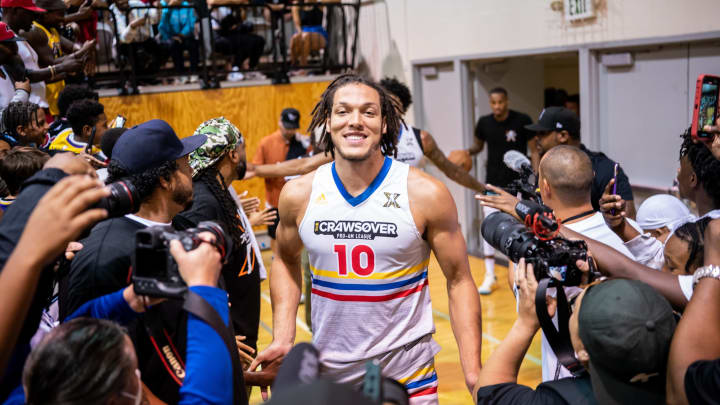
{"x": 392, "y": 200}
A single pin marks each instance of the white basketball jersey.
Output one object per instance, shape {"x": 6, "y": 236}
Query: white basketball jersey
{"x": 369, "y": 266}
{"x": 409, "y": 149}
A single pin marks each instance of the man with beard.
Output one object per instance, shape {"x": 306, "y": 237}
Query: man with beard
{"x": 155, "y": 161}
{"x": 216, "y": 164}
{"x": 369, "y": 223}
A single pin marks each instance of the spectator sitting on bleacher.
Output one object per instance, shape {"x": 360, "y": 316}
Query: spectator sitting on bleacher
{"x": 311, "y": 37}
{"x": 88, "y": 124}
{"x": 69, "y": 95}
{"x": 177, "y": 34}
{"x": 234, "y": 37}
{"x": 134, "y": 30}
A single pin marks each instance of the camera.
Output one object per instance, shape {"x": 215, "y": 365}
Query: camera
{"x": 123, "y": 199}
{"x": 155, "y": 272}
{"x": 554, "y": 258}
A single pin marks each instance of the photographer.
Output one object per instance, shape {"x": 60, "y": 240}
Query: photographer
{"x": 151, "y": 158}
{"x": 620, "y": 331}
{"x": 92, "y": 361}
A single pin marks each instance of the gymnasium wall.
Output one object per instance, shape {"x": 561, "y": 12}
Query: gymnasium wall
{"x": 254, "y": 110}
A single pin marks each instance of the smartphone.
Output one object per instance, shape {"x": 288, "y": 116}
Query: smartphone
{"x": 614, "y": 190}
{"x": 705, "y": 108}
{"x": 119, "y": 121}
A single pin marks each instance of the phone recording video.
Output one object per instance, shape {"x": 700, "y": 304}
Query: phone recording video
{"x": 705, "y": 108}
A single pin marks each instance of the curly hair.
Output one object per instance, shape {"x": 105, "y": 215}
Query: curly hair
{"x": 19, "y": 164}
{"x": 84, "y": 361}
{"x": 399, "y": 90}
{"x": 389, "y": 113}
{"x": 82, "y": 113}
{"x": 694, "y": 234}
{"x": 19, "y": 113}
{"x": 72, "y": 93}
{"x": 145, "y": 182}
{"x": 704, "y": 164}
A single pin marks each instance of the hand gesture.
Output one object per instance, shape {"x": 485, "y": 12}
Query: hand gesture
{"x": 246, "y": 352}
{"x": 612, "y": 206}
{"x": 503, "y": 201}
{"x": 200, "y": 266}
{"x": 250, "y": 205}
{"x": 270, "y": 360}
{"x": 93, "y": 161}
{"x": 527, "y": 286}
{"x": 265, "y": 217}
{"x": 138, "y": 22}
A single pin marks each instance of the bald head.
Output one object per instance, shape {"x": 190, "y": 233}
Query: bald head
{"x": 569, "y": 173}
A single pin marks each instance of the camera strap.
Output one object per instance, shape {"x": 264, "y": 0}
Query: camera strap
{"x": 197, "y": 306}
{"x": 558, "y": 338}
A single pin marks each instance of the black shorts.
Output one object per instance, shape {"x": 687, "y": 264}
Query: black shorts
{"x": 273, "y": 227}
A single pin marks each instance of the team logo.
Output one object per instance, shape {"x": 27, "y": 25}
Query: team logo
{"x": 321, "y": 200}
{"x": 391, "y": 200}
{"x": 511, "y": 136}
{"x": 356, "y": 229}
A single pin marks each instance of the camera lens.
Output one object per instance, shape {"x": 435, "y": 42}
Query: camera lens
{"x": 503, "y": 232}
{"x": 123, "y": 199}
{"x": 223, "y": 244}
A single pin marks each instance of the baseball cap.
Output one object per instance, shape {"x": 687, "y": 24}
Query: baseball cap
{"x": 151, "y": 144}
{"x": 557, "y": 119}
{"x": 290, "y": 118}
{"x": 222, "y": 137}
{"x": 26, "y": 4}
{"x": 51, "y": 5}
{"x": 626, "y": 327}
{"x": 7, "y": 35}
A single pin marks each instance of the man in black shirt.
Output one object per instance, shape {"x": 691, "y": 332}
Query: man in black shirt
{"x": 560, "y": 126}
{"x": 216, "y": 164}
{"x": 620, "y": 331}
{"x": 151, "y": 157}
{"x": 503, "y": 130}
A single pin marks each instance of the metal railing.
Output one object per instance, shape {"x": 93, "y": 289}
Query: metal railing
{"x": 117, "y": 62}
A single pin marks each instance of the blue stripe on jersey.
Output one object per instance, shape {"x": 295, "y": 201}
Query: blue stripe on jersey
{"x": 355, "y": 201}
{"x": 420, "y": 383}
{"x": 369, "y": 287}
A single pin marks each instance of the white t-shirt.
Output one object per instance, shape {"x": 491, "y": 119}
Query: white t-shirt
{"x": 145, "y": 222}
{"x": 595, "y": 228}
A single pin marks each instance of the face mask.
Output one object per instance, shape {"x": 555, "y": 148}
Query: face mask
{"x": 240, "y": 169}
{"x": 137, "y": 398}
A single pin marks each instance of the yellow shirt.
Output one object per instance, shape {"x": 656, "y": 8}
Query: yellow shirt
{"x": 65, "y": 141}
{"x": 52, "y": 90}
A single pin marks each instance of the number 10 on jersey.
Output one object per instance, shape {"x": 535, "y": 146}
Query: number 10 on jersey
{"x": 362, "y": 259}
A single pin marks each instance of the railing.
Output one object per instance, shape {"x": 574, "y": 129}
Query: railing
{"x": 115, "y": 67}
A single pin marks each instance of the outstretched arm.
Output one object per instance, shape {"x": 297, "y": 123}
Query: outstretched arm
{"x": 292, "y": 167}
{"x": 453, "y": 171}
{"x": 437, "y": 211}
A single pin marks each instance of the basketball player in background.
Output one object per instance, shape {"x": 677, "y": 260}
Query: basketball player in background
{"x": 502, "y": 131}
{"x": 368, "y": 223}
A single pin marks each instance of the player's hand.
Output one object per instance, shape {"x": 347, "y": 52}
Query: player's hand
{"x": 70, "y": 163}
{"x": 612, "y": 206}
{"x": 200, "y": 266}
{"x": 461, "y": 158}
{"x": 61, "y": 215}
{"x": 246, "y": 352}
{"x": 503, "y": 201}
{"x": 270, "y": 359}
{"x": 265, "y": 217}
{"x": 250, "y": 205}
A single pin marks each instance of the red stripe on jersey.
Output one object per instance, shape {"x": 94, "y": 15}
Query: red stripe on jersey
{"x": 429, "y": 391}
{"x": 370, "y": 298}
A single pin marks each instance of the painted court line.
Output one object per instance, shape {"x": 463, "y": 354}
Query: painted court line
{"x": 298, "y": 321}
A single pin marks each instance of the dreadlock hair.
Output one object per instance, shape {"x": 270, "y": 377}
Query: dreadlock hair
{"x": 82, "y": 113}
{"x": 704, "y": 164}
{"x": 389, "y": 113}
{"x": 83, "y": 361}
{"x": 19, "y": 164}
{"x": 694, "y": 234}
{"x": 229, "y": 217}
{"x": 399, "y": 90}
{"x": 72, "y": 93}
{"x": 145, "y": 182}
{"x": 18, "y": 114}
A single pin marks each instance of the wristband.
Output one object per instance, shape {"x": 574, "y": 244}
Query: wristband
{"x": 705, "y": 272}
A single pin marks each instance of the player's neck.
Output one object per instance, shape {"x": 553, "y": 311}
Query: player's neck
{"x": 502, "y": 117}
{"x": 703, "y": 202}
{"x": 355, "y": 175}
{"x": 564, "y": 212}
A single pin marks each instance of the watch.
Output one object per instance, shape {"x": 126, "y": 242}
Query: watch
{"x": 704, "y": 272}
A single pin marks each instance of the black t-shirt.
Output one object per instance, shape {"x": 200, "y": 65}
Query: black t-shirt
{"x": 604, "y": 169}
{"x": 501, "y": 137}
{"x": 573, "y": 391}
{"x": 243, "y": 288}
{"x": 702, "y": 382}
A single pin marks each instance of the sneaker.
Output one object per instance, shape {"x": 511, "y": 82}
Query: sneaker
{"x": 181, "y": 80}
{"x": 236, "y": 75}
{"x": 487, "y": 286}
{"x": 193, "y": 79}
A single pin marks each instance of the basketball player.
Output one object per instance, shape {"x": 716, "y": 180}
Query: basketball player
{"x": 368, "y": 223}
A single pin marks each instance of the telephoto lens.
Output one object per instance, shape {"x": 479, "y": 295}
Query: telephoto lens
{"x": 123, "y": 199}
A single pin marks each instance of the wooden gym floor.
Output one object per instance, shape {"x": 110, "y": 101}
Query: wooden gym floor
{"x": 498, "y": 314}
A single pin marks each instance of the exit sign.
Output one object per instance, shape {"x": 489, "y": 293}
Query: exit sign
{"x": 579, "y": 9}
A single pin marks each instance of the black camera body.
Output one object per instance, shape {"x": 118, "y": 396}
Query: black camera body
{"x": 155, "y": 272}
{"x": 554, "y": 258}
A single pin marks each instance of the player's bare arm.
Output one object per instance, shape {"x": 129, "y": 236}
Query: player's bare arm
{"x": 293, "y": 167}
{"x": 451, "y": 170}
{"x": 285, "y": 275}
{"x": 435, "y": 216}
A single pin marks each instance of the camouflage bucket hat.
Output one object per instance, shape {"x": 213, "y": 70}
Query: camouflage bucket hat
{"x": 222, "y": 137}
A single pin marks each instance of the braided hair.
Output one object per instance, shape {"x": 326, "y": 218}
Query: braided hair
{"x": 18, "y": 113}
{"x": 389, "y": 113}
{"x": 229, "y": 216}
{"x": 693, "y": 233}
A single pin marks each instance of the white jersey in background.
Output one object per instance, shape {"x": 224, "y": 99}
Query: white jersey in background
{"x": 30, "y": 59}
{"x": 409, "y": 146}
{"x": 369, "y": 268}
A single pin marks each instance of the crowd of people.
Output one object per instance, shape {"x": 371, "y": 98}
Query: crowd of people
{"x": 131, "y": 271}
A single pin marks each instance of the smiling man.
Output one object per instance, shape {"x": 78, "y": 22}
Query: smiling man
{"x": 369, "y": 223}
